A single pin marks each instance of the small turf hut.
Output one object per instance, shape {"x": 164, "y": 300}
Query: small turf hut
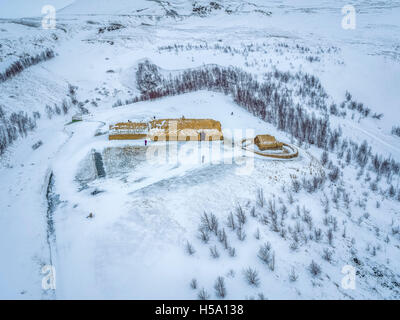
{"x": 267, "y": 142}
{"x": 128, "y": 131}
{"x": 185, "y": 130}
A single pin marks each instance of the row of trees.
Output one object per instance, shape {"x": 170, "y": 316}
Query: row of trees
{"x": 19, "y": 124}
{"x": 25, "y": 62}
{"x": 270, "y": 100}
{"x": 14, "y": 126}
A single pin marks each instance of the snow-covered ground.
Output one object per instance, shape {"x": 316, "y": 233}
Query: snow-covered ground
{"x": 148, "y": 207}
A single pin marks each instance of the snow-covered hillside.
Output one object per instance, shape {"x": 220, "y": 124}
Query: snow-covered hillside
{"x": 165, "y": 221}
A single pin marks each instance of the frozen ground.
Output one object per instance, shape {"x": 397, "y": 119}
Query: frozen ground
{"x": 145, "y": 212}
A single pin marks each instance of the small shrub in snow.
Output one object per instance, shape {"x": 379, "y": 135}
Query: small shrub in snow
{"x": 241, "y": 234}
{"x": 391, "y": 191}
{"x": 222, "y": 237}
{"x": 290, "y": 197}
{"x": 219, "y": 287}
{"x": 231, "y": 222}
{"x": 251, "y": 276}
{"x": 261, "y": 296}
{"x": 296, "y": 186}
{"x": 327, "y": 255}
{"x": 214, "y": 252}
{"x": 204, "y": 235}
{"x": 283, "y": 211}
{"x": 189, "y": 248}
{"x": 294, "y": 246}
{"x": 240, "y": 215}
{"x": 203, "y": 294}
{"x": 232, "y": 252}
{"x": 266, "y": 255}
{"x": 271, "y": 265}
{"x": 293, "y": 276}
{"x": 253, "y": 212}
{"x": 193, "y": 284}
{"x": 396, "y": 130}
{"x": 264, "y": 219}
{"x": 37, "y": 145}
{"x": 271, "y": 209}
{"x": 334, "y": 174}
{"x": 317, "y": 234}
{"x": 314, "y": 269}
{"x": 209, "y": 222}
{"x": 260, "y": 197}
{"x": 329, "y": 236}
{"x": 324, "y": 158}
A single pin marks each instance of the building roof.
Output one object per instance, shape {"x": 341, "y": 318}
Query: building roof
{"x": 265, "y": 139}
{"x": 183, "y": 123}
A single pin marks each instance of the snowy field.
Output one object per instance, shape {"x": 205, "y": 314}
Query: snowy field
{"x": 285, "y": 228}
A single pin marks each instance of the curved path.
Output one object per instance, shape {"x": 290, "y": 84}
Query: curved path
{"x": 293, "y": 154}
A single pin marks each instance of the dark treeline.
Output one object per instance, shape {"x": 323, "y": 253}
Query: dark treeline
{"x": 19, "y": 124}
{"x": 272, "y": 101}
{"x": 352, "y": 105}
{"x": 396, "y": 131}
{"x": 25, "y": 62}
{"x": 14, "y": 126}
